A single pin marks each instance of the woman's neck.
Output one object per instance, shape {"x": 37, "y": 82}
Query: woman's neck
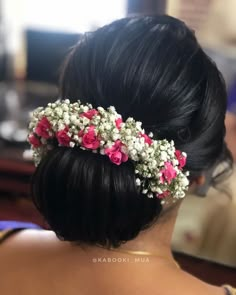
{"x": 156, "y": 239}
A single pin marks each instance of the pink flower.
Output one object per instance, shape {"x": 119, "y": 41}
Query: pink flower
{"x": 118, "y": 122}
{"x": 116, "y": 154}
{"x": 116, "y": 157}
{"x": 164, "y": 195}
{"x": 63, "y": 138}
{"x": 81, "y": 133}
{"x": 89, "y": 114}
{"x": 42, "y": 128}
{"x": 34, "y": 141}
{"x": 181, "y": 158}
{"x": 90, "y": 139}
{"x": 168, "y": 173}
{"x": 147, "y": 139}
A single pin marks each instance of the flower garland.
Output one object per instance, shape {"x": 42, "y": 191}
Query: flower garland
{"x": 158, "y": 165}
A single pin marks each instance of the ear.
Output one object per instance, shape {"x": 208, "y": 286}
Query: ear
{"x": 196, "y": 184}
{"x": 200, "y": 180}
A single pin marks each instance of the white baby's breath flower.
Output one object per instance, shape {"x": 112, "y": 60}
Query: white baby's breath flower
{"x": 175, "y": 162}
{"x": 31, "y": 125}
{"x": 138, "y": 181}
{"x": 85, "y": 121}
{"x": 185, "y": 181}
{"x": 138, "y": 125}
{"x": 59, "y": 111}
{"x": 150, "y": 134}
{"x": 66, "y": 121}
{"x": 158, "y": 190}
{"x": 128, "y": 137}
{"x": 115, "y": 136}
{"x": 181, "y": 195}
{"x": 150, "y": 195}
{"x": 108, "y": 126}
{"x": 133, "y": 152}
{"x": 85, "y": 108}
{"x": 101, "y": 110}
{"x": 73, "y": 118}
{"x": 130, "y": 120}
{"x": 143, "y": 154}
{"x": 116, "y": 130}
{"x": 77, "y": 122}
{"x": 65, "y": 108}
{"x": 112, "y": 109}
{"x": 66, "y": 115}
{"x": 154, "y": 163}
{"x": 102, "y": 151}
{"x": 48, "y": 111}
{"x": 164, "y": 156}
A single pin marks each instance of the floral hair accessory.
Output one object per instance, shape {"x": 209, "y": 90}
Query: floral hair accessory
{"x": 158, "y": 165}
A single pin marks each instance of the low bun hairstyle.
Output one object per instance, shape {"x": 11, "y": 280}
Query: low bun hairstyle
{"x": 151, "y": 69}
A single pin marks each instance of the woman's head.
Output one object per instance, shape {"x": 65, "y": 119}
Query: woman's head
{"x": 151, "y": 69}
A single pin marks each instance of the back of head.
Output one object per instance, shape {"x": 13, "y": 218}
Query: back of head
{"x": 151, "y": 69}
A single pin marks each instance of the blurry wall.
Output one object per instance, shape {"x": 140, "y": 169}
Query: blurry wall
{"x": 213, "y": 20}
{"x": 193, "y": 12}
{"x": 75, "y": 16}
{"x": 148, "y": 7}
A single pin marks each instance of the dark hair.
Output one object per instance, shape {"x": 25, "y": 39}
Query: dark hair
{"x": 154, "y": 70}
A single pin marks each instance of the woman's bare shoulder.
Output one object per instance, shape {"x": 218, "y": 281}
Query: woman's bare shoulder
{"x": 29, "y": 236}
{"x": 196, "y": 286}
{"x": 28, "y": 242}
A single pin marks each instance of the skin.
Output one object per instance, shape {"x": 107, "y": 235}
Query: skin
{"x": 36, "y": 262}
{"x": 230, "y": 123}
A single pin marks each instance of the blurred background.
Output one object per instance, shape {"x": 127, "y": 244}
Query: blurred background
{"x": 36, "y": 35}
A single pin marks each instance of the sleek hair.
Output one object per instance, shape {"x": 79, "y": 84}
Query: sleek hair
{"x": 154, "y": 70}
